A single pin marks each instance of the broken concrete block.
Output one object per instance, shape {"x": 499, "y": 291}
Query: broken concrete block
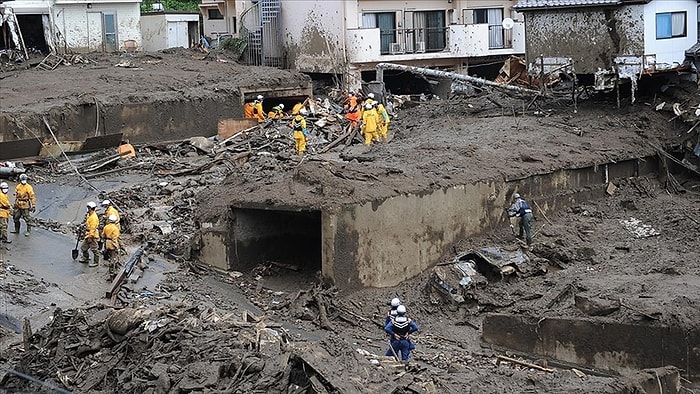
{"x": 610, "y": 190}
{"x": 202, "y": 143}
{"x": 595, "y": 306}
{"x": 123, "y": 320}
{"x": 269, "y": 342}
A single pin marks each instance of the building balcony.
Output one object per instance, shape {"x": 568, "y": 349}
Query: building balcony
{"x": 454, "y": 41}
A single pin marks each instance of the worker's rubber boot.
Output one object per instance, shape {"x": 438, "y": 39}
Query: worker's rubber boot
{"x": 95, "y": 261}
{"x": 16, "y": 230}
{"x": 84, "y": 258}
{"x": 29, "y": 231}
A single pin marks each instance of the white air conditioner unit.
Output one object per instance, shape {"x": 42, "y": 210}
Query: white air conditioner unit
{"x": 420, "y": 47}
{"x": 396, "y": 48}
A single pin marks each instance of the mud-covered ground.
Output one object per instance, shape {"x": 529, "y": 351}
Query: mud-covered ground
{"x": 276, "y": 329}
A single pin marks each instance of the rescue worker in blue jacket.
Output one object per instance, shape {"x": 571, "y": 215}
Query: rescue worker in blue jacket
{"x": 392, "y": 312}
{"x": 399, "y": 329}
{"x": 521, "y": 209}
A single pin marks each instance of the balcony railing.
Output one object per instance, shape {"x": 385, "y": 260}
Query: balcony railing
{"x": 370, "y": 45}
{"x": 418, "y": 40}
{"x": 500, "y": 38}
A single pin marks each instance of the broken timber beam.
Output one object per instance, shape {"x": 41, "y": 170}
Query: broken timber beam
{"x": 524, "y": 363}
{"x": 337, "y": 141}
{"x": 449, "y": 75}
{"x": 125, "y": 271}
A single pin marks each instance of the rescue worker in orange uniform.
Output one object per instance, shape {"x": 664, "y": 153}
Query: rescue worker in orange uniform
{"x": 370, "y": 124}
{"x": 299, "y": 126}
{"x": 5, "y": 209}
{"x": 353, "y": 112}
{"x": 25, "y": 202}
{"x": 249, "y": 110}
{"x": 258, "y": 111}
{"x": 92, "y": 235}
{"x": 111, "y": 234}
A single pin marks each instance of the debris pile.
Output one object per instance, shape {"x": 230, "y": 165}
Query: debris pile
{"x": 180, "y": 348}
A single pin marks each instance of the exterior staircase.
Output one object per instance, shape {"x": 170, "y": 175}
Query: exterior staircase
{"x": 261, "y": 29}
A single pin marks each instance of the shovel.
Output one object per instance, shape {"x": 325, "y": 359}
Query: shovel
{"x": 74, "y": 252}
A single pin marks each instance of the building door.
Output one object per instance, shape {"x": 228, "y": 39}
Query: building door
{"x": 94, "y": 31}
{"x": 102, "y": 31}
{"x": 109, "y": 19}
{"x": 494, "y": 18}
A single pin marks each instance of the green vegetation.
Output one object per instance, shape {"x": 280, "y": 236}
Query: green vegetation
{"x": 171, "y": 5}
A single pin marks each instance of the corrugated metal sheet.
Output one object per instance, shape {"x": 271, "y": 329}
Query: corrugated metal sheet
{"x": 544, "y": 4}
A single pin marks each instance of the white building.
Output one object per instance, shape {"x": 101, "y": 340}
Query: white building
{"x": 78, "y": 25}
{"x": 349, "y": 37}
{"x": 169, "y": 29}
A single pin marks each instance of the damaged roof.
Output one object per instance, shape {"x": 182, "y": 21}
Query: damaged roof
{"x": 547, "y": 4}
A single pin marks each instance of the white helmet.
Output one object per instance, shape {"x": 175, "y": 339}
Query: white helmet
{"x": 23, "y": 178}
{"x": 516, "y": 195}
{"x": 106, "y": 202}
{"x": 401, "y": 309}
{"x": 395, "y": 302}
{"x": 371, "y": 95}
{"x": 91, "y": 205}
{"x": 112, "y": 218}
{"x": 260, "y": 97}
{"x": 281, "y": 106}
{"x": 303, "y": 111}
{"x": 4, "y": 186}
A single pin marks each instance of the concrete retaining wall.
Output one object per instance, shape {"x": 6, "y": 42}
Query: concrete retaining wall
{"x": 140, "y": 122}
{"x": 597, "y": 343}
{"x": 381, "y": 243}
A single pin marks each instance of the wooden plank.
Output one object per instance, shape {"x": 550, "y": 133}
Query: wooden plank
{"x": 229, "y": 127}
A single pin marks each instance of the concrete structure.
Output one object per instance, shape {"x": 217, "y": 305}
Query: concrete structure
{"x": 600, "y": 343}
{"x": 630, "y": 37}
{"x": 78, "y": 25}
{"x": 416, "y": 229}
{"x": 347, "y": 37}
{"x": 169, "y": 29}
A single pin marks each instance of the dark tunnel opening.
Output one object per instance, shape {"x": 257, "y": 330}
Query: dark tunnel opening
{"x": 288, "y": 237}
{"x": 401, "y": 82}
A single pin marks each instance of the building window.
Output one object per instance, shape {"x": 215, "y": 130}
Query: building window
{"x": 214, "y": 13}
{"x": 430, "y": 29}
{"x": 386, "y": 22}
{"x": 671, "y": 24}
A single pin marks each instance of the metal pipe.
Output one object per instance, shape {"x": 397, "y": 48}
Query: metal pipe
{"x": 449, "y": 75}
{"x": 5, "y": 171}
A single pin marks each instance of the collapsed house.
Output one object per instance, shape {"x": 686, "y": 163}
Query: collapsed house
{"x": 609, "y": 42}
